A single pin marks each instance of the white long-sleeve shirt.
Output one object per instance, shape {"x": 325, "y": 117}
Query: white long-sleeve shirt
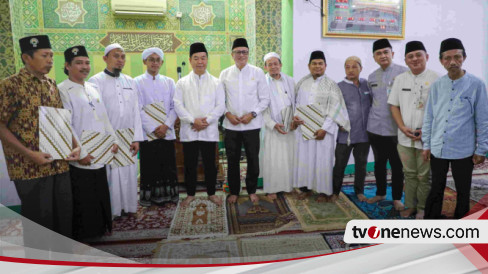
{"x": 120, "y": 98}
{"x": 152, "y": 90}
{"x": 246, "y": 91}
{"x": 87, "y": 113}
{"x": 199, "y": 97}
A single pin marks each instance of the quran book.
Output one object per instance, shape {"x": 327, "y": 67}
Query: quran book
{"x": 99, "y": 145}
{"x": 157, "y": 113}
{"x": 55, "y": 134}
{"x": 124, "y": 156}
{"x": 287, "y": 117}
{"x": 314, "y": 118}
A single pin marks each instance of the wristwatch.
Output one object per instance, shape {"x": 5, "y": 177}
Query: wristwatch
{"x": 254, "y": 114}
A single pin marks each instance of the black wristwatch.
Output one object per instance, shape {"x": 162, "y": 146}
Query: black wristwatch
{"x": 254, "y": 114}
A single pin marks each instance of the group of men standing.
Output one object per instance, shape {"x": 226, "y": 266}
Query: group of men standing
{"x": 411, "y": 119}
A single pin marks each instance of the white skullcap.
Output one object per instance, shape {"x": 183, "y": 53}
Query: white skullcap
{"x": 270, "y": 55}
{"x": 111, "y": 47}
{"x": 150, "y": 51}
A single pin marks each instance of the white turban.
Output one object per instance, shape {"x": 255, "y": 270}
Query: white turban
{"x": 271, "y": 55}
{"x": 111, "y": 47}
{"x": 150, "y": 51}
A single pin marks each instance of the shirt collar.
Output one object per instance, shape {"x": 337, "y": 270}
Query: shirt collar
{"x": 281, "y": 78}
{"x": 201, "y": 77}
{"x": 28, "y": 75}
{"x": 149, "y": 76}
{"x": 74, "y": 84}
{"x": 109, "y": 73}
{"x": 243, "y": 69}
{"x": 460, "y": 79}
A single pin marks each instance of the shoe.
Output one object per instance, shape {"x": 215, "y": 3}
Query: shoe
{"x": 175, "y": 197}
{"x": 144, "y": 198}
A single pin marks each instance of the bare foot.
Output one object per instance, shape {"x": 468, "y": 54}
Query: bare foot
{"x": 187, "y": 201}
{"x": 304, "y": 195}
{"x": 333, "y": 198}
{"x": 420, "y": 214}
{"x": 322, "y": 198}
{"x": 254, "y": 198}
{"x": 232, "y": 199}
{"x": 362, "y": 198}
{"x": 407, "y": 212}
{"x": 272, "y": 196}
{"x": 399, "y": 206}
{"x": 376, "y": 199}
{"x": 215, "y": 199}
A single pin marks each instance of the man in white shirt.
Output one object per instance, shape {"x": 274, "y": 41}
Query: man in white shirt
{"x": 314, "y": 159}
{"x": 119, "y": 95}
{"x": 278, "y": 138}
{"x": 199, "y": 102}
{"x": 157, "y": 158}
{"x": 407, "y": 101}
{"x": 247, "y": 96}
{"x": 91, "y": 198}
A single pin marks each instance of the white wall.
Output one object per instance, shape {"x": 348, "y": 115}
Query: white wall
{"x": 427, "y": 21}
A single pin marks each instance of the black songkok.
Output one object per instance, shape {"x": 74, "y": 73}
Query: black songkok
{"x": 240, "y": 42}
{"x": 414, "y": 46}
{"x": 34, "y": 42}
{"x": 381, "y": 44}
{"x": 197, "y": 47}
{"x": 318, "y": 54}
{"x": 451, "y": 43}
{"x": 73, "y": 52}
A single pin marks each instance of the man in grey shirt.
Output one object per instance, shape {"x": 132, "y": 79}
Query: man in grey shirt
{"x": 382, "y": 130}
{"x": 357, "y": 96}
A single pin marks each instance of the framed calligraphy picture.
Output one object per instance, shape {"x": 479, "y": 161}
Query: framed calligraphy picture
{"x": 364, "y": 18}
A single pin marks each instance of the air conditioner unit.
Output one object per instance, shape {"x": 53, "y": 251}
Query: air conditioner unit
{"x": 139, "y": 7}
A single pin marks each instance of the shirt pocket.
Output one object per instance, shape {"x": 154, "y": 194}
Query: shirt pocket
{"x": 464, "y": 106}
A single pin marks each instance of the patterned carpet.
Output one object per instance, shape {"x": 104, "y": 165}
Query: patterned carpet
{"x": 200, "y": 219}
{"x": 265, "y": 217}
{"x": 315, "y": 216}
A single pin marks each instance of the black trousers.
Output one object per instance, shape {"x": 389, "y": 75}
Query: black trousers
{"x": 158, "y": 163}
{"x": 342, "y": 154}
{"x": 48, "y": 202}
{"x": 233, "y": 143}
{"x": 384, "y": 150}
{"x": 92, "y": 214}
{"x": 462, "y": 171}
{"x": 190, "y": 152}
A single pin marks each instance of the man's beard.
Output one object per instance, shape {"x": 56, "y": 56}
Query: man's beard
{"x": 117, "y": 72}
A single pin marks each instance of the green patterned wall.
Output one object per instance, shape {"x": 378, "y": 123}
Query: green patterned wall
{"x": 7, "y": 60}
{"x": 92, "y": 23}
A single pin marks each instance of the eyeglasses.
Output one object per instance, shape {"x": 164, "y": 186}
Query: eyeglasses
{"x": 152, "y": 60}
{"x": 241, "y": 52}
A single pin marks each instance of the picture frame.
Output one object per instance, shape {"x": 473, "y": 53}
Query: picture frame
{"x": 367, "y": 19}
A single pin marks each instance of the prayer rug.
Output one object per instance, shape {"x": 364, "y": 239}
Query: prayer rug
{"x": 197, "y": 252}
{"x": 335, "y": 240}
{"x": 384, "y": 209}
{"x": 150, "y": 223}
{"x": 380, "y": 210}
{"x": 200, "y": 219}
{"x": 479, "y": 188}
{"x": 267, "y": 248}
{"x": 315, "y": 216}
{"x": 265, "y": 217}
{"x": 137, "y": 252}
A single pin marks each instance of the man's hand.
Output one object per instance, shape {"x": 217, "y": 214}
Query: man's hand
{"x": 74, "y": 155}
{"x": 134, "y": 148}
{"x": 426, "y": 155}
{"x": 233, "y": 119}
{"x": 40, "y": 158}
{"x": 200, "y": 124}
{"x": 297, "y": 121}
{"x": 280, "y": 128}
{"x": 320, "y": 134}
{"x": 161, "y": 131}
{"x": 341, "y": 129}
{"x": 86, "y": 161}
{"x": 408, "y": 132}
{"x": 245, "y": 119}
{"x": 478, "y": 159}
{"x": 115, "y": 149}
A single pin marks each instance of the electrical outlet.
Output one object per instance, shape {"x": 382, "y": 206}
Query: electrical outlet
{"x": 179, "y": 14}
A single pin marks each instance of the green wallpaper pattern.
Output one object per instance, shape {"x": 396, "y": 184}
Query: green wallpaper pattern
{"x": 92, "y": 23}
{"x": 7, "y": 60}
